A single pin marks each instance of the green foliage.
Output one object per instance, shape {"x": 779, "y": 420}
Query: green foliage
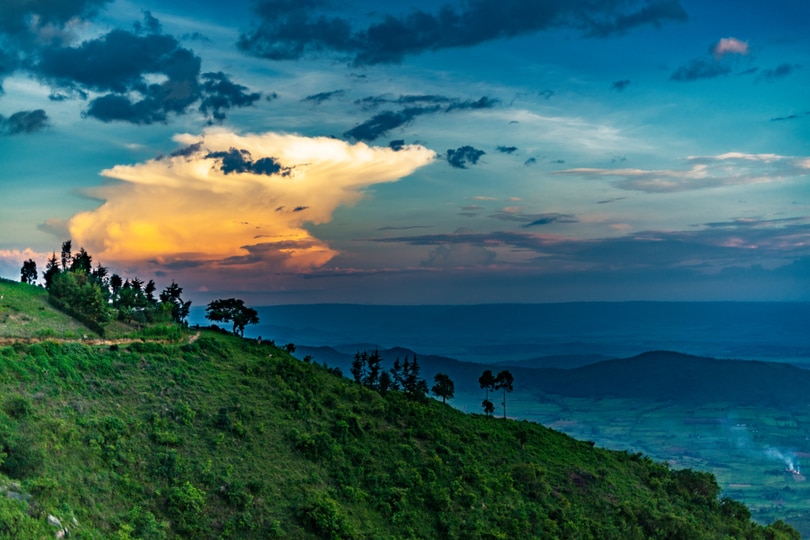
{"x": 228, "y": 438}
{"x": 233, "y": 310}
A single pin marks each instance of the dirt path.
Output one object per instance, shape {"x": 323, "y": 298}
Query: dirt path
{"x": 93, "y": 341}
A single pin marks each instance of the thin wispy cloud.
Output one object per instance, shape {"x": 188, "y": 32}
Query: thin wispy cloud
{"x": 703, "y": 172}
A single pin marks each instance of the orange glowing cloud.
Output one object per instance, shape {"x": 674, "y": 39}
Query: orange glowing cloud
{"x": 235, "y": 200}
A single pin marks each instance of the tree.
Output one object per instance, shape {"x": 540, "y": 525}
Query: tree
{"x": 489, "y": 408}
{"x": 412, "y": 384}
{"x": 28, "y": 272}
{"x": 358, "y": 368}
{"x": 487, "y": 381}
{"x": 504, "y": 381}
{"x": 233, "y": 310}
{"x": 66, "y": 256}
{"x": 171, "y": 297}
{"x": 443, "y": 387}
{"x": 51, "y": 269}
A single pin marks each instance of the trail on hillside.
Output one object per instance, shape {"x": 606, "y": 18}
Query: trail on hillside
{"x": 91, "y": 341}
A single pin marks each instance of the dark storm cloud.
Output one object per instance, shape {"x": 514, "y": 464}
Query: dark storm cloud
{"x": 23, "y": 122}
{"x": 323, "y": 96}
{"x": 220, "y": 93}
{"x": 620, "y": 85}
{"x": 289, "y": 30}
{"x": 239, "y": 161}
{"x": 117, "y": 63}
{"x": 396, "y": 145}
{"x": 780, "y": 71}
{"x": 507, "y": 149}
{"x": 463, "y": 156}
{"x": 700, "y": 69}
{"x": 142, "y": 75}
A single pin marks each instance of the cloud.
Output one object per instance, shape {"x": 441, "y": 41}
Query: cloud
{"x": 620, "y": 85}
{"x": 704, "y": 172}
{"x": 459, "y": 256}
{"x": 507, "y": 149}
{"x": 780, "y": 71}
{"x": 11, "y": 261}
{"x": 463, "y": 156}
{"x": 323, "y": 96}
{"x": 729, "y": 45}
{"x": 532, "y": 220}
{"x": 530, "y": 161}
{"x": 706, "y": 250}
{"x": 139, "y": 76}
{"x": 24, "y": 122}
{"x": 699, "y": 69}
{"x": 220, "y": 93}
{"x": 383, "y": 122}
{"x": 118, "y": 63}
{"x": 239, "y": 161}
{"x": 209, "y": 203}
{"x": 32, "y": 16}
{"x": 290, "y": 30}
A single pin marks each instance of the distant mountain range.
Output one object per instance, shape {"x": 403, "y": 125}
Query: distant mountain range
{"x": 495, "y": 333}
{"x": 657, "y": 376}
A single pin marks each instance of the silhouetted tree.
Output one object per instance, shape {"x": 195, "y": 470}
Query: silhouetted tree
{"x": 504, "y": 381}
{"x": 171, "y": 297}
{"x": 82, "y": 262}
{"x": 487, "y": 381}
{"x": 28, "y": 272}
{"x": 234, "y": 310}
{"x": 412, "y": 384}
{"x": 373, "y": 365}
{"x": 489, "y": 408}
{"x": 51, "y": 269}
{"x": 66, "y": 254}
{"x": 443, "y": 387}
{"x": 358, "y": 368}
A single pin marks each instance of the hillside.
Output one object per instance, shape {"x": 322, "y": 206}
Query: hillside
{"x": 26, "y": 313}
{"x": 213, "y": 436}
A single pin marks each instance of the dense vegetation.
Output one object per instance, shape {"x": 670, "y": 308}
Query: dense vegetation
{"x": 213, "y": 436}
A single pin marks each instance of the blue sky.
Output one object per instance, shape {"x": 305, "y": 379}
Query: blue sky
{"x": 462, "y": 152}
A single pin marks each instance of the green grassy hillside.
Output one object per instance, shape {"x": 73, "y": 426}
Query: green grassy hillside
{"x": 26, "y": 313}
{"x": 217, "y": 437}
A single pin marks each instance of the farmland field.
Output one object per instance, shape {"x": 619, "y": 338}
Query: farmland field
{"x": 756, "y": 453}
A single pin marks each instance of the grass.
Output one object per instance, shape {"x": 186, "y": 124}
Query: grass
{"x": 224, "y": 438}
{"x": 26, "y": 313}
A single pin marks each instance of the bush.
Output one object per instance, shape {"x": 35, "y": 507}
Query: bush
{"x": 186, "y": 504}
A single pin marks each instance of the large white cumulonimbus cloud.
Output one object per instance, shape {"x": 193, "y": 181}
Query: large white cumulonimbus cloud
{"x": 227, "y": 199}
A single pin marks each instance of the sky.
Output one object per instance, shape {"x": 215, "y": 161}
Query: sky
{"x": 459, "y": 152}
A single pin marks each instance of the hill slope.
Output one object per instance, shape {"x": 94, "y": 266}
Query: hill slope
{"x": 26, "y": 313}
{"x": 221, "y": 438}
{"x": 225, "y": 438}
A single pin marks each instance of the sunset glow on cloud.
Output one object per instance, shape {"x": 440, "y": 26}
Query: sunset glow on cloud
{"x": 228, "y": 199}
{"x": 729, "y": 45}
